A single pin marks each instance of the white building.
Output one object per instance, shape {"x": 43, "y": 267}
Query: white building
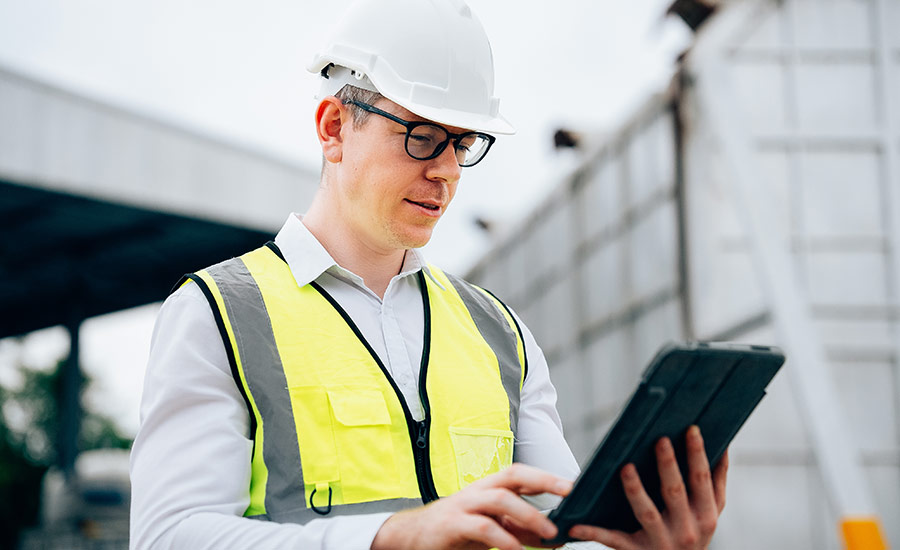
{"x": 797, "y": 105}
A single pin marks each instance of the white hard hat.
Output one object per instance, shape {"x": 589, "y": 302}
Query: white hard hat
{"x": 429, "y": 56}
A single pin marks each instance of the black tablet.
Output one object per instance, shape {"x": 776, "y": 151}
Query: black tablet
{"x": 713, "y": 385}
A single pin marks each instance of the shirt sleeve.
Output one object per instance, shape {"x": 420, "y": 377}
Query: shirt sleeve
{"x": 539, "y": 433}
{"x": 190, "y": 463}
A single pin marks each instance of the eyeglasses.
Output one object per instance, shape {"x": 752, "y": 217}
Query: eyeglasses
{"x": 426, "y": 140}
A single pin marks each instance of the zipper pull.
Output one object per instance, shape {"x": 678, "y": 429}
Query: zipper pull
{"x": 421, "y": 442}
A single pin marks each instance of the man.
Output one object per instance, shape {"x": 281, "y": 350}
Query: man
{"x": 316, "y": 392}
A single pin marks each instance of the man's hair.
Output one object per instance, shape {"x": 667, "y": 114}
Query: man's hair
{"x": 351, "y": 93}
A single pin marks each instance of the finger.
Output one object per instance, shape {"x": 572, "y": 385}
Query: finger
{"x": 486, "y": 531}
{"x": 674, "y": 493}
{"x": 719, "y": 475}
{"x": 527, "y": 480}
{"x": 525, "y": 534}
{"x": 643, "y": 507}
{"x": 499, "y": 503}
{"x": 614, "y": 539}
{"x": 702, "y": 495}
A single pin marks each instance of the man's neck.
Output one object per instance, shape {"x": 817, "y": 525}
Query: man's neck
{"x": 376, "y": 268}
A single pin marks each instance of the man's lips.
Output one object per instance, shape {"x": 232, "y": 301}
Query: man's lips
{"x": 428, "y": 205}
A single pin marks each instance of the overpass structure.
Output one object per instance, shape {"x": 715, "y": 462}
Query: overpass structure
{"x": 102, "y": 209}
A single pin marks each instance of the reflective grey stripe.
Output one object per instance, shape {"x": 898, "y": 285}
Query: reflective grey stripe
{"x": 502, "y": 338}
{"x": 305, "y": 515}
{"x": 266, "y": 382}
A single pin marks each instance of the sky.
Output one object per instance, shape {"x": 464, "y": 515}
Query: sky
{"x": 235, "y": 71}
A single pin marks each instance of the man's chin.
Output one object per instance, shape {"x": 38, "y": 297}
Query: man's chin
{"x": 416, "y": 241}
{"x": 414, "y": 237}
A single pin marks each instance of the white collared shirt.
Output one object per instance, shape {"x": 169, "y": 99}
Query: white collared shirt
{"x": 190, "y": 463}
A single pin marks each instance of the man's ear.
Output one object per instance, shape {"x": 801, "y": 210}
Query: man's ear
{"x": 330, "y": 119}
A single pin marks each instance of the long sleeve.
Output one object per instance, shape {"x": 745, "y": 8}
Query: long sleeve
{"x": 190, "y": 464}
{"x": 539, "y": 434}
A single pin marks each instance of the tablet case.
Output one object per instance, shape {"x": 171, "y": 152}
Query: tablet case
{"x": 713, "y": 385}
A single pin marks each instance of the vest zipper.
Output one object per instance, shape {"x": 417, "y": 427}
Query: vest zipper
{"x": 423, "y": 456}
{"x": 418, "y": 437}
{"x": 422, "y": 440}
{"x": 423, "y": 462}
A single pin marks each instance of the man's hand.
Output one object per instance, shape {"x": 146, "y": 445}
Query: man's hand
{"x": 487, "y": 514}
{"x": 689, "y": 520}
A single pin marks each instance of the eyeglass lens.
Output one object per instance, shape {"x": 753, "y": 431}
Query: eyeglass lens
{"x": 424, "y": 142}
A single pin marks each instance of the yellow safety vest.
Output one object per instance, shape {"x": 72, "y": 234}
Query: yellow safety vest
{"x": 332, "y": 433}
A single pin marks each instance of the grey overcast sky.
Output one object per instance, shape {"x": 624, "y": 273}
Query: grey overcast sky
{"x": 235, "y": 70}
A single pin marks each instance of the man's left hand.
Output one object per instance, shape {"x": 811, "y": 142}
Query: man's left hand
{"x": 689, "y": 520}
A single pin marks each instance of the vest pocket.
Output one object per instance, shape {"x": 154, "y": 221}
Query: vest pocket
{"x": 365, "y": 447}
{"x": 480, "y": 452}
{"x": 315, "y": 435}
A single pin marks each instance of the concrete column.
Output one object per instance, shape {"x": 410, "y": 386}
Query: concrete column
{"x": 69, "y": 405}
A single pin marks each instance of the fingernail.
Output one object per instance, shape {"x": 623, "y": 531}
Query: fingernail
{"x": 694, "y": 431}
{"x": 549, "y": 531}
{"x": 563, "y": 486}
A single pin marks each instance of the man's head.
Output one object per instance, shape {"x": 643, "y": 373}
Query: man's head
{"x": 406, "y": 101}
{"x": 372, "y": 186}
{"x": 431, "y": 57}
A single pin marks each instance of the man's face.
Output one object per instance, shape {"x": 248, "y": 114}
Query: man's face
{"x": 391, "y": 200}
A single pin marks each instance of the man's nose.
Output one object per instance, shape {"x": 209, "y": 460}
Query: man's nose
{"x": 445, "y": 166}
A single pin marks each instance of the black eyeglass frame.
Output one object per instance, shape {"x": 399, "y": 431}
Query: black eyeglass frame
{"x": 412, "y": 125}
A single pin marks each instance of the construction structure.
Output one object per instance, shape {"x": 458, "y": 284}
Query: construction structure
{"x": 782, "y": 126}
{"x": 756, "y": 200}
{"x": 103, "y": 209}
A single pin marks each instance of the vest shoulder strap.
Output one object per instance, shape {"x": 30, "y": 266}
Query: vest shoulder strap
{"x": 213, "y": 297}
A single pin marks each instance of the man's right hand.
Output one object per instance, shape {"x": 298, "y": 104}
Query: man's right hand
{"x": 487, "y": 514}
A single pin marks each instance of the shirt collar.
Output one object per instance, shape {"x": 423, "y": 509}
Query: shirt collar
{"x": 308, "y": 259}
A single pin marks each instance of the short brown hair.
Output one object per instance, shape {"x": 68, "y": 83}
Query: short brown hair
{"x": 351, "y": 93}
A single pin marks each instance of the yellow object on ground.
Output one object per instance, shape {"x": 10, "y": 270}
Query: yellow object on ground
{"x": 863, "y": 533}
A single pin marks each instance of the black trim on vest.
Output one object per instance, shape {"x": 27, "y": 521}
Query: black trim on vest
{"x": 518, "y": 329}
{"x": 274, "y": 248}
{"x": 184, "y": 278}
{"x": 229, "y": 351}
{"x": 425, "y": 425}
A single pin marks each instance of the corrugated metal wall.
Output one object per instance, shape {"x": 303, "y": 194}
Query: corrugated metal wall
{"x": 595, "y": 274}
{"x": 643, "y": 244}
{"x": 59, "y": 140}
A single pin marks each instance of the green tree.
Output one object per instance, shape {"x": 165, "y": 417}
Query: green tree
{"x": 28, "y": 435}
